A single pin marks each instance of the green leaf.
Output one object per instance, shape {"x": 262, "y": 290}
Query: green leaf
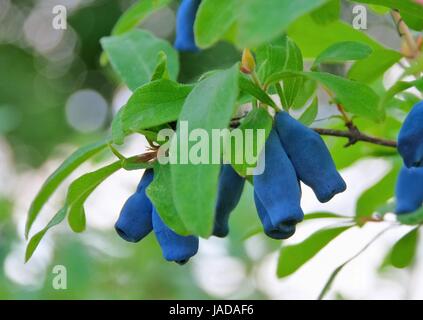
{"x": 307, "y": 91}
{"x": 293, "y": 257}
{"x": 411, "y": 219}
{"x": 370, "y": 69}
{"x": 210, "y": 105}
{"x": 260, "y": 21}
{"x": 118, "y": 134}
{"x": 323, "y": 215}
{"x": 136, "y": 13}
{"x": 161, "y": 71}
{"x": 136, "y": 163}
{"x": 344, "y": 51}
{"x": 154, "y": 104}
{"x": 313, "y": 38}
{"x": 257, "y": 119}
{"x": 409, "y": 7}
{"x": 81, "y": 189}
{"x": 404, "y": 251}
{"x": 213, "y": 20}
{"x": 292, "y": 86}
{"x": 133, "y": 56}
{"x": 35, "y": 240}
{"x": 255, "y": 91}
{"x": 76, "y": 217}
{"x": 355, "y": 97}
{"x": 377, "y": 195}
{"x": 399, "y": 87}
{"x": 60, "y": 174}
{"x": 160, "y": 194}
{"x": 308, "y": 117}
{"x": 272, "y": 58}
{"x": 327, "y": 13}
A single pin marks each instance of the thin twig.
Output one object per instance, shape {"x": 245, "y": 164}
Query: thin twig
{"x": 332, "y": 277}
{"x": 355, "y": 136}
{"x": 405, "y": 33}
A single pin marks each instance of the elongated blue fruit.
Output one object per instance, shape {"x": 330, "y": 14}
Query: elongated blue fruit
{"x": 277, "y": 187}
{"x": 409, "y": 190}
{"x": 135, "y": 222}
{"x": 174, "y": 247}
{"x": 229, "y": 193}
{"x": 283, "y": 231}
{"x": 410, "y": 139}
{"x": 185, "y": 17}
{"x": 310, "y": 157}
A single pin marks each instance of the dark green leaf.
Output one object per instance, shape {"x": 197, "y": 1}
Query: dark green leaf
{"x": 293, "y": 257}
{"x": 257, "y": 92}
{"x": 160, "y": 194}
{"x": 214, "y": 18}
{"x": 327, "y": 13}
{"x": 154, "y": 104}
{"x": 61, "y": 173}
{"x": 210, "y": 105}
{"x": 260, "y": 21}
{"x": 133, "y": 56}
{"x": 257, "y": 119}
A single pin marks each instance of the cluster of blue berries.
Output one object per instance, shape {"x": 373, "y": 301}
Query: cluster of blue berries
{"x": 409, "y": 189}
{"x": 293, "y": 153}
{"x": 139, "y": 217}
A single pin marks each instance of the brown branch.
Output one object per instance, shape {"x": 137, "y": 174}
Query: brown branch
{"x": 355, "y": 136}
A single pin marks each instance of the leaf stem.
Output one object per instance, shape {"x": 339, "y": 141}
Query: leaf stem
{"x": 332, "y": 277}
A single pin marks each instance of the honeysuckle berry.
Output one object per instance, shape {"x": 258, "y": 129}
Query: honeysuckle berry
{"x": 277, "y": 187}
{"x": 410, "y": 138}
{"x": 409, "y": 190}
{"x": 135, "y": 221}
{"x": 230, "y": 190}
{"x": 310, "y": 156}
{"x": 283, "y": 231}
{"x": 174, "y": 247}
{"x": 185, "y": 17}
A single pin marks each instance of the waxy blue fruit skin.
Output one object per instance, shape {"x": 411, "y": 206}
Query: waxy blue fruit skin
{"x": 284, "y": 231}
{"x": 175, "y": 247}
{"x": 135, "y": 222}
{"x": 230, "y": 190}
{"x": 409, "y": 190}
{"x": 185, "y": 17}
{"x": 410, "y": 138}
{"x": 310, "y": 157}
{"x": 277, "y": 187}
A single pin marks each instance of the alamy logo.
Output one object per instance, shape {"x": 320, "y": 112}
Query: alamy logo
{"x": 60, "y": 280}
{"x": 59, "y": 21}
{"x": 360, "y": 17}
{"x": 199, "y": 146}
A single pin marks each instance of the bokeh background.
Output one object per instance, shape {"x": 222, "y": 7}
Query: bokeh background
{"x": 55, "y": 96}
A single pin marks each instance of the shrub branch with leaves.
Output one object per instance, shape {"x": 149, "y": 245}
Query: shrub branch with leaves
{"x": 184, "y": 202}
